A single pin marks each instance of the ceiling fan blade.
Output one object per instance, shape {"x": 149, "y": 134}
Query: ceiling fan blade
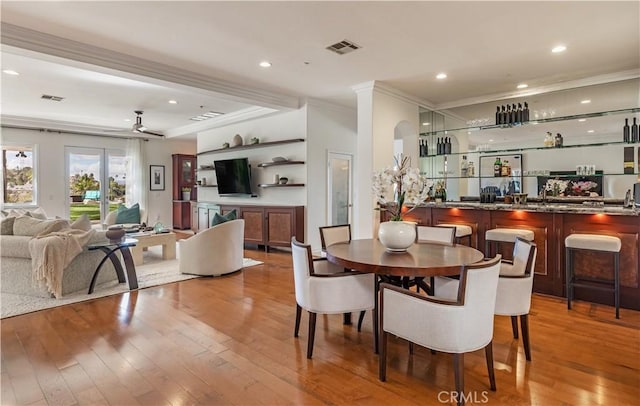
{"x": 151, "y": 133}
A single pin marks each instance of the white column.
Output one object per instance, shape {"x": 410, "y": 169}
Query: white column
{"x": 380, "y": 110}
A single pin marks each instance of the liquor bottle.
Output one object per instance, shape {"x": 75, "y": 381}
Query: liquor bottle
{"x": 559, "y": 140}
{"x": 447, "y": 146}
{"x": 439, "y": 147}
{"x": 497, "y": 167}
{"x": 626, "y": 136}
{"x": 464, "y": 167}
{"x": 426, "y": 148}
{"x": 471, "y": 169}
{"x": 498, "y": 116}
{"x": 509, "y": 115}
{"x": 514, "y": 114}
{"x": 635, "y": 137}
{"x": 504, "y": 115}
{"x": 525, "y": 112}
{"x": 519, "y": 113}
{"x": 420, "y": 149}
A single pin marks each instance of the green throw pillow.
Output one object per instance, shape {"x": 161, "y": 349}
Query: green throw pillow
{"x": 128, "y": 216}
{"x": 218, "y": 219}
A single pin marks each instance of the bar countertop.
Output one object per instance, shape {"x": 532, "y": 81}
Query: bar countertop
{"x": 555, "y": 207}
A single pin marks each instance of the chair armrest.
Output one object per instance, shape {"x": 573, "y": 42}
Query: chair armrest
{"x": 419, "y": 296}
{"x": 523, "y": 276}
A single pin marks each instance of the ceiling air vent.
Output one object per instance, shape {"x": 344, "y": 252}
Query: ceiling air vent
{"x": 343, "y": 47}
{"x": 52, "y": 98}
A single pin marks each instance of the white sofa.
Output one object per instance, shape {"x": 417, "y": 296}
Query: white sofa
{"x": 16, "y": 271}
{"x": 110, "y": 218}
{"x": 218, "y": 250}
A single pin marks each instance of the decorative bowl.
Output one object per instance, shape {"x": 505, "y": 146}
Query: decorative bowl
{"x": 278, "y": 159}
{"x": 283, "y": 180}
{"x": 115, "y": 234}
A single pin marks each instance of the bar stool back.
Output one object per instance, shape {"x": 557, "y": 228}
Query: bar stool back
{"x": 595, "y": 243}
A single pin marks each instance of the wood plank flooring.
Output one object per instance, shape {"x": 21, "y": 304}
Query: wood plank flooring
{"x": 229, "y": 341}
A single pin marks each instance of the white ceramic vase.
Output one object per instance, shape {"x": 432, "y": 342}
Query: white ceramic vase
{"x": 397, "y": 236}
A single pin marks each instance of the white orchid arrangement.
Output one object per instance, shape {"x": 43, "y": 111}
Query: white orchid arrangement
{"x": 404, "y": 183}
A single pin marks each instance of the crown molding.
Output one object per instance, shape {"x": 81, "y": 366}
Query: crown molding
{"x": 35, "y": 41}
{"x": 340, "y": 108}
{"x": 384, "y": 88}
{"x": 247, "y": 114}
{"x": 571, "y": 84}
{"x": 54, "y": 126}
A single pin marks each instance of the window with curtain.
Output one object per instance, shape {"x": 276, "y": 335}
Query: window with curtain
{"x": 18, "y": 175}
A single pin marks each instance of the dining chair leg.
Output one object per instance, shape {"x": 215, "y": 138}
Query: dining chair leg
{"x": 312, "y": 332}
{"x": 374, "y": 314}
{"x": 298, "y": 314}
{"x": 382, "y": 358}
{"x": 458, "y": 373}
{"x": 514, "y": 326}
{"x": 488, "y": 353}
{"x": 346, "y": 319}
{"x": 524, "y": 324}
{"x": 410, "y": 348}
{"x": 360, "y": 319}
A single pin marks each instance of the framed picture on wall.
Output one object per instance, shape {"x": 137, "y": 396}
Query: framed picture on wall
{"x": 501, "y": 174}
{"x": 156, "y": 177}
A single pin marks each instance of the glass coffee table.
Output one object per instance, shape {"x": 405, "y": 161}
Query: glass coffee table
{"x": 110, "y": 248}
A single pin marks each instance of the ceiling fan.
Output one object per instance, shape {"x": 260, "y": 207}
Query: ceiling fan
{"x": 139, "y": 128}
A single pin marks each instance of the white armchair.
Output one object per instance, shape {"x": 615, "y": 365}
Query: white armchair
{"x": 218, "y": 250}
{"x": 327, "y": 293}
{"x": 454, "y": 326}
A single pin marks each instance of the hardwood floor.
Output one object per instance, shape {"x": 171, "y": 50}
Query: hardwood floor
{"x": 229, "y": 340}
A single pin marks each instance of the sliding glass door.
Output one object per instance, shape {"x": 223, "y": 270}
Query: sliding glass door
{"x": 96, "y": 181}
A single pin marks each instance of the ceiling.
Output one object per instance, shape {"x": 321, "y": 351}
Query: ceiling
{"x": 205, "y": 55}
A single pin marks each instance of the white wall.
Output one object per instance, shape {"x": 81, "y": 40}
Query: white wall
{"x": 51, "y": 176}
{"x": 330, "y": 128}
{"x": 325, "y": 127}
{"x": 282, "y": 126}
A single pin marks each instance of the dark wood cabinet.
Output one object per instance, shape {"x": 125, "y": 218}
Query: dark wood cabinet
{"x": 184, "y": 167}
{"x": 271, "y": 226}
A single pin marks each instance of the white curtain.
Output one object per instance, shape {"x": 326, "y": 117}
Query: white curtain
{"x": 136, "y": 173}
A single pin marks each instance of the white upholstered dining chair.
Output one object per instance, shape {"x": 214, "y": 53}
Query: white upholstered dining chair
{"x": 327, "y": 293}
{"x": 513, "y": 297}
{"x": 457, "y": 326}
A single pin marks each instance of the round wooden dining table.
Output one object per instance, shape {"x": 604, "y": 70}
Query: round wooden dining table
{"x": 421, "y": 259}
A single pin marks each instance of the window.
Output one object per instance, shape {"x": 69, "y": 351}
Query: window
{"x": 18, "y": 175}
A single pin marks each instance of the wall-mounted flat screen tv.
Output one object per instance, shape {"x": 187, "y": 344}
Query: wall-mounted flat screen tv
{"x": 233, "y": 177}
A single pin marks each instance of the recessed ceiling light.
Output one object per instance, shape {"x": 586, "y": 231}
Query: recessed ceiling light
{"x": 590, "y": 131}
{"x": 558, "y": 49}
{"x": 265, "y": 64}
{"x": 426, "y": 123}
{"x": 585, "y": 101}
{"x": 127, "y": 119}
{"x": 441, "y": 75}
{"x": 522, "y": 86}
{"x": 468, "y": 132}
{"x": 173, "y": 102}
{"x": 491, "y": 140}
{"x": 10, "y": 72}
{"x": 582, "y": 120}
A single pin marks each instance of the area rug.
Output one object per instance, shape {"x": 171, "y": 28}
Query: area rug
{"x": 153, "y": 272}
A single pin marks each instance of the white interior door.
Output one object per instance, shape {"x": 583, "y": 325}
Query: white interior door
{"x": 339, "y": 190}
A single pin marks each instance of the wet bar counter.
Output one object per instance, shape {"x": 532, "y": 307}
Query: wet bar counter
{"x": 551, "y": 223}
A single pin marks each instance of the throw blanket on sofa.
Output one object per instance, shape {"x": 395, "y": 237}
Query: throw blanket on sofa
{"x": 52, "y": 253}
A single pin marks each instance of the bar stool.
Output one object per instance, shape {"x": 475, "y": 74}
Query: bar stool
{"x": 596, "y": 243}
{"x": 504, "y": 235}
{"x": 462, "y": 231}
